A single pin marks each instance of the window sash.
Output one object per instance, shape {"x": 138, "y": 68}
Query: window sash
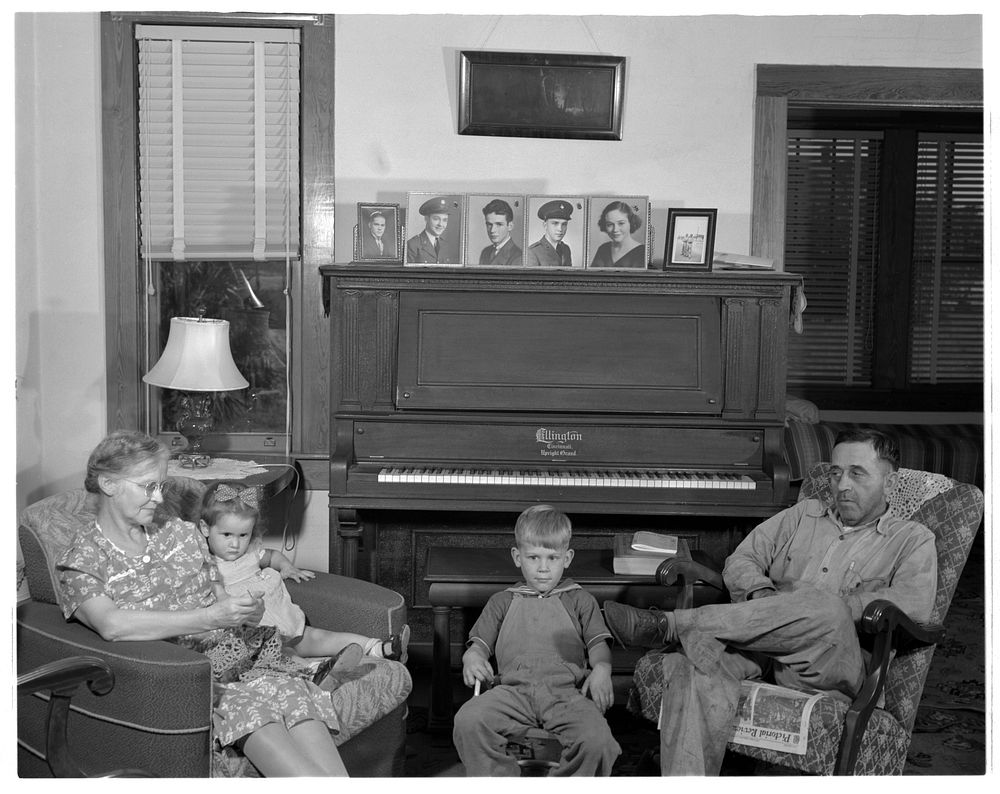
{"x": 946, "y": 301}
{"x": 218, "y": 142}
{"x": 831, "y": 239}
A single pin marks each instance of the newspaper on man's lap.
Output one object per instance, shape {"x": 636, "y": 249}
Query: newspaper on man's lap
{"x": 773, "y": 717}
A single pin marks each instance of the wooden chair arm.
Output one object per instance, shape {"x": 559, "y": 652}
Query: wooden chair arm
{"x": 891, "y": 628}
{"x": 62, "y": 678}
{"x": 686, "y": 572}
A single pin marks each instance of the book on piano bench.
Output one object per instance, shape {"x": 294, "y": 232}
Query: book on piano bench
{"x": 628, "y": 560}
{"x": 656, "y": 542}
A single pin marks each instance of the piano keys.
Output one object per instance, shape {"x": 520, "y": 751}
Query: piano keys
{"x": 582, "y": 478}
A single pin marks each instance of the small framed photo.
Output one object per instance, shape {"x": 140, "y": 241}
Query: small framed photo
{"x": 556, "y": 231}
{"x": 378, "y": 233}
{"x": 495, "y": 230}
{"x": 690, "y": 239}
{"x": 541, "y": 95}
{"x": 434, "y": 223}
{"x": 618, "y": 232}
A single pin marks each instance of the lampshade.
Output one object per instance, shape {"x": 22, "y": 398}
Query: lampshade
{"x": 197, "y": 358}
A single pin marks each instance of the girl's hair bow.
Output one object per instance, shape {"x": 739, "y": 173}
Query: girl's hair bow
{"x": 227, "y": 493}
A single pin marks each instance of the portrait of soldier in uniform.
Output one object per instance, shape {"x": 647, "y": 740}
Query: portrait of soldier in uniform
{"x": 559, "y": 236}
{"x": 439, "y": 219}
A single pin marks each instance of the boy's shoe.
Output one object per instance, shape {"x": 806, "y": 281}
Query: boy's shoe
{"x": 398, "y": 643}
{"x": 329, "y": 675}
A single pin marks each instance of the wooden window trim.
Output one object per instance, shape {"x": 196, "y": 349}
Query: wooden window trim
{"x": 124, "y": 289}
{"x": 867, "y": 87}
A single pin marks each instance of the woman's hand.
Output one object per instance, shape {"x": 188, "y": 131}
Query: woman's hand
{"x": 233, "y": 611}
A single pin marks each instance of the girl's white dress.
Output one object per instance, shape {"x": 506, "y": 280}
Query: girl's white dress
{"x": 246, "y": 576}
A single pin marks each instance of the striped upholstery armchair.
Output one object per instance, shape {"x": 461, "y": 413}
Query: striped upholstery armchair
{"x": 870, "y": 736}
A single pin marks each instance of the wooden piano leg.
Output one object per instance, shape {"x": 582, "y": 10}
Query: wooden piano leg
{"x": 441, "y": 702}
{"x": 344, "y": 556}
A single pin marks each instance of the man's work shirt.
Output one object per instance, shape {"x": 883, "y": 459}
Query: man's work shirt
{"x": 807, "y": 544}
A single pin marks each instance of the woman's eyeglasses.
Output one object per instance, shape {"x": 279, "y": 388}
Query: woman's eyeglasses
{"x": 149, "y": 487}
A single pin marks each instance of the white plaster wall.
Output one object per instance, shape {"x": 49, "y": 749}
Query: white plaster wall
{"x": 687, "y": 142}
{"x": 688, "y": 119}
{"x": 59, "y": 281}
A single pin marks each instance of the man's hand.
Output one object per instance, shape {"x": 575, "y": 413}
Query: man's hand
{"x": 598, "y": 686}
{"x": 476, "y": 667}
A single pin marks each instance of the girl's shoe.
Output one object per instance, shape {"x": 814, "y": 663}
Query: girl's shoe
{"x": 329, "y": 674}
{"x": 398, "y": 643}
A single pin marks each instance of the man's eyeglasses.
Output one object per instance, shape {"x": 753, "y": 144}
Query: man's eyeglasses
{"x": 149, "y": 487}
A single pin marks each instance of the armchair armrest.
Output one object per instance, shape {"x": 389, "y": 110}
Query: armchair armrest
{"x": 64, "y": 676}
{"x": 685, "y": 573}
{"x": 61, "y": 679}
{"x": 342, "y": 603}
{"x": 158, "y": 716}
{"x": 891, "y": 627}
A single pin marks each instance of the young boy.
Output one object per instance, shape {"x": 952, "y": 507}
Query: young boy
{"x": 542, "y": 632}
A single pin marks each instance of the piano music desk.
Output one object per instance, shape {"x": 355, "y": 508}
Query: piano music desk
{"x": 466, "y": 577}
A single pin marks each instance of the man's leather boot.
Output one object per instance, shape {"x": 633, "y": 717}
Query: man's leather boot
{"x": 643, "y": 628}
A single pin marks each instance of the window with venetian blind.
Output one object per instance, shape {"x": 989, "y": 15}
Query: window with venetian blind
{"x": 837, "y": 204}
{"x": 218, "y": 132}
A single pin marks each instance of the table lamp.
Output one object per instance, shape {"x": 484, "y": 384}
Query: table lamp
{"x": 196, "y": 361}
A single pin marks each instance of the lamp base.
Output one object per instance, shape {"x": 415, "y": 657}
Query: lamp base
{"x": 195, "y": 421}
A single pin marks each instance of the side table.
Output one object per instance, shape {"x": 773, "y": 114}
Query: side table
{"x": 279, "y": 472}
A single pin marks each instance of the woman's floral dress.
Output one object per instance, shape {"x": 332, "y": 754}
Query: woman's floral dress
{"x": 256, "y": 683}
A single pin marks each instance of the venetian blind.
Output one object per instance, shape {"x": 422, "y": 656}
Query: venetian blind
{"x": 831, "y": 239}
{"x": 946, "y": 303}
{"x": 218, "y": 142}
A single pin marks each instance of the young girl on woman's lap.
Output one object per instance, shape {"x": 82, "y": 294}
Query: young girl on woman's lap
{"x": 229, "y": 516}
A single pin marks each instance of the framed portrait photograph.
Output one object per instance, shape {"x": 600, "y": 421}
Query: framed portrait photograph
{"x": 618, "y": 235}
{"x": 495, "y": 228}
{"x": 690, "y": 239}
{"x": 378, "y": 233}
{"x": 434, "y": 226}
{"x": 557, "y": 231}
{"x": 540, "y": 95}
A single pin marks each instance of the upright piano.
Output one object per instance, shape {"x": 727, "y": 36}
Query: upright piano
{"x": 600, "y": 392}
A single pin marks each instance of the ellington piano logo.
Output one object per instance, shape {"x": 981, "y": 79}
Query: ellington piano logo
{"x": 557, "y": 444}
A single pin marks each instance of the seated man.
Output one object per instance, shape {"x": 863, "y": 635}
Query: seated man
{"x": 799, "y": 583}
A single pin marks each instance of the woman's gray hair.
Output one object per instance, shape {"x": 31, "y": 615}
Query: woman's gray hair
{"x": 120, "y": 452}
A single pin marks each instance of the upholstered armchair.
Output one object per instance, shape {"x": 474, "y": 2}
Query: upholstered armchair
{"x": 870, "y": 736}
{"x": 158, "y": 715}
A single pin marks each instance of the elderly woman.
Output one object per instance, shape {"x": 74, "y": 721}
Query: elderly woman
{"x": 129, "y": 578}
{"x": 619, "y": 221}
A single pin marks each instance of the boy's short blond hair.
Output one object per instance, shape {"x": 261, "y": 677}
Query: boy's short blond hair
{"x": 543, "y": 525}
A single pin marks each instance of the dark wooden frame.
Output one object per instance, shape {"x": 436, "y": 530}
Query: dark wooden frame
{"x": 480, "y": 114}
{"x": 673, "y": 214}
{"x": 397, "y": 226}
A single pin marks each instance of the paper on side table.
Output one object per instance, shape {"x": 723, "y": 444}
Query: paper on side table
{"x": 218, "y": 469}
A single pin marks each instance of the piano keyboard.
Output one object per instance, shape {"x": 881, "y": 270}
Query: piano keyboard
{"x": 588, "y": 478}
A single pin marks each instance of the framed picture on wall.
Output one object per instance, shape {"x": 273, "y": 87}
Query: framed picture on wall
{"x": 541, "y": 95}
{"x": 690, "y": 239}
{"x": 618, "y": 232}
{"x": 434, "y": 223}
{"x": 495, "y": 229}
{"x": 556, "y": 231}
{"x": 378, "y": 233}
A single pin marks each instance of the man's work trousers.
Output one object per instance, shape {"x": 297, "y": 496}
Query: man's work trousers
{"x": 807, "y": 637}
